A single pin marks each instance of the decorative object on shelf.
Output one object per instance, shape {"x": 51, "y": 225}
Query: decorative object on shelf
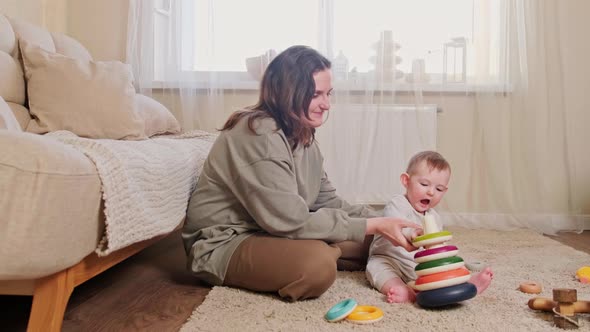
{"x": 353, "y": 76}
{"x": 340, "y": 67}
{"x": 418, "y": 74}
{"x": 455, "y": 61}
{"x": 256, "y": 65}
{"x": 385, "y": 60}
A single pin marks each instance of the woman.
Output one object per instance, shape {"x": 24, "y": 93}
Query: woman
{"x": 264, "y": 215}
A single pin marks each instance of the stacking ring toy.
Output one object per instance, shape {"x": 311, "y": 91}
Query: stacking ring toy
{"x": 446, "y": 295}
{"x": 530, "y": 287}
{"x": 340, "y": 310}
{"x": 365, "y": 314}
{"x": 442, "y": 279}
{"x": 435, "y": 253}
{"x": 474, "y": 266}
{"x": 430, "y": 239}
{"x": 439, "y": 265}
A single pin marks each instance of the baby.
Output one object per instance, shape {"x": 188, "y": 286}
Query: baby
{"x": 390, "y": 268}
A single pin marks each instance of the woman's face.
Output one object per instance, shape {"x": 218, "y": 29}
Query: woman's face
{"x": 320, "y": 103}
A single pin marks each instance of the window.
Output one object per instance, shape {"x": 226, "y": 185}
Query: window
{"x": 418, "y": 41}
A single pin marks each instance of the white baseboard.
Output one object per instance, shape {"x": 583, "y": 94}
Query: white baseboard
{"x": 544, "y": 223}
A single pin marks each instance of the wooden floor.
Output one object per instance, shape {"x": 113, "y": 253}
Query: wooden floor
{"x": 148, "y": 292}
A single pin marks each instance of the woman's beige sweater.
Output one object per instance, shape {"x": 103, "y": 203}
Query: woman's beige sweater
{"x": 255, "y": 183}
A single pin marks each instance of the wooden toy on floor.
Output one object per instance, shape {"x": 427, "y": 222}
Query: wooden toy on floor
{"x": 530, "y": 287}
{"x": 564, "y": 305}
{"x": 442, "y": 276}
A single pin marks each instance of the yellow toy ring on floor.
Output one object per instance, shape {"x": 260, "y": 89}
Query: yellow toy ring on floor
{"x": 583, "y": 274}
{"x": 365, "y": 314}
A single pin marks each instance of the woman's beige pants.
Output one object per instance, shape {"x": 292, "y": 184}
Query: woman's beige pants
{"x": 296, "y": 269}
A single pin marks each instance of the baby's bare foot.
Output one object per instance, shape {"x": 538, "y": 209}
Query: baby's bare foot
{"x": 401, "y": 294}
{"x": 482, "y": 280}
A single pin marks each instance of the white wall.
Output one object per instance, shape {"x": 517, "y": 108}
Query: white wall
{"x": 101, "y": 25}
{"x": 576, "y": 64}
{"x": 28, "y": 10}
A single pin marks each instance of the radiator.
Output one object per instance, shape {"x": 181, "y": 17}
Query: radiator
{"x": 367, "y": 147}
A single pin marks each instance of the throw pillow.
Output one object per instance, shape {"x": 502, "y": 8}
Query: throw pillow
{"x": 157, "y": 118}
{"x": 94, "y": 99}
{"x": 7, "y": 118}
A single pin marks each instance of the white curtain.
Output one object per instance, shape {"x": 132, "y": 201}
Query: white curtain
{"x": 521, "y": 156}
{"x": 496, "y": 77}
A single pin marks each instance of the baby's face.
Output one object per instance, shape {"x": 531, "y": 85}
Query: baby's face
{"x": 425, "y": 187}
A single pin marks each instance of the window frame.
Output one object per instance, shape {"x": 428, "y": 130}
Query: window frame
{"x": 242, "y": 80}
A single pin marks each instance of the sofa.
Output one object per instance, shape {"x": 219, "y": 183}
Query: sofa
{"x": 60, "y": 113}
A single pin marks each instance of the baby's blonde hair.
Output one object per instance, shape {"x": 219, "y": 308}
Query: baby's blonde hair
{"x": 434, "y": 160}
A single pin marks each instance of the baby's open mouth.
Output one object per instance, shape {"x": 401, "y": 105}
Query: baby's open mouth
{"x": 425, "y": 201}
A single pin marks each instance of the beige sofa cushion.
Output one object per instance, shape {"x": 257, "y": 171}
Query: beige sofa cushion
{"x": 7, "y": 37}
{"x": 7, "y": 119}
{"x": 68, "y": 46}
{"x": 53, "y": 206}
{"x": 33, "y": 34}
{"x": 91, "y": 99}
{"x": 158, "y": 119}
{"x": 21, "y": 114}
{"x": 12, "y": 84}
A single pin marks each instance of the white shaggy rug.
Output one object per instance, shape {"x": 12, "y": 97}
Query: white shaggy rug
{"x": 514, "y": 256}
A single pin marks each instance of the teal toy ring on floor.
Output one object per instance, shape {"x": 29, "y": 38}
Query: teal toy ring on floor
{"x": 340, "y": 310}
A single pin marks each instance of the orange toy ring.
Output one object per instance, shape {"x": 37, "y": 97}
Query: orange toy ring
{"x": 530, "y": 287}
{"x": 460, "y": 272}
{"x": 365, "y": 314}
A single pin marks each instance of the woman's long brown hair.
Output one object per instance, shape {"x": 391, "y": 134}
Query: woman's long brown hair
{"x": 286, "y": 91}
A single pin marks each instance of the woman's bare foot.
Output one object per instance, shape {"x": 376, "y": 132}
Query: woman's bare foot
{"x": 482, "y": 280}
{"x": 396, "y": 291}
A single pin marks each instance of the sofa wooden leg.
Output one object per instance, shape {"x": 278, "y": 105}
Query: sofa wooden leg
{"x": 50, "y": 301}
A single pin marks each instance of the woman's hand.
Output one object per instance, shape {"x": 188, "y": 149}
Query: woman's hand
{"x": 412, "y": 233}
{"x": 391, "y": 228}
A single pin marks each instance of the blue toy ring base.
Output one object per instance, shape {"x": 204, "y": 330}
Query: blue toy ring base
{"x": 446, "y": 295}
{"x": 340, "y": 310}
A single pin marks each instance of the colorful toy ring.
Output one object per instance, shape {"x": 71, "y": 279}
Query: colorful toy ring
{"x": 365, "y": 314}
{"x": 583, "y": 274}
{"x": 435, "y": 253}
{"x": 439, "y": 265}
{"x": 474, "y": 266}
{"x": 442, "y": 279}
{"x": 430, "y": 239}
{"x": 530, "y": 287}
{"x": 340, "y": 310}
{"x": 446, "y": 295}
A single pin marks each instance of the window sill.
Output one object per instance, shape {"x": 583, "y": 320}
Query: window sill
{"x": 243, "y": 81}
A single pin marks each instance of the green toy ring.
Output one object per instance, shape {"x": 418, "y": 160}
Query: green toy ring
{"x": 439, "y": 265}
{"x": 433, "y": 238}
{"x": 340, "y": 310}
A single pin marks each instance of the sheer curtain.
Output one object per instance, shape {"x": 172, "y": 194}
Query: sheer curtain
{"x": 494, "y": 71}
{"x": 520, "y": 168}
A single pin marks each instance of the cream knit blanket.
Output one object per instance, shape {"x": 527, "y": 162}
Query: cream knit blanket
{"x": 146, "y": 184}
